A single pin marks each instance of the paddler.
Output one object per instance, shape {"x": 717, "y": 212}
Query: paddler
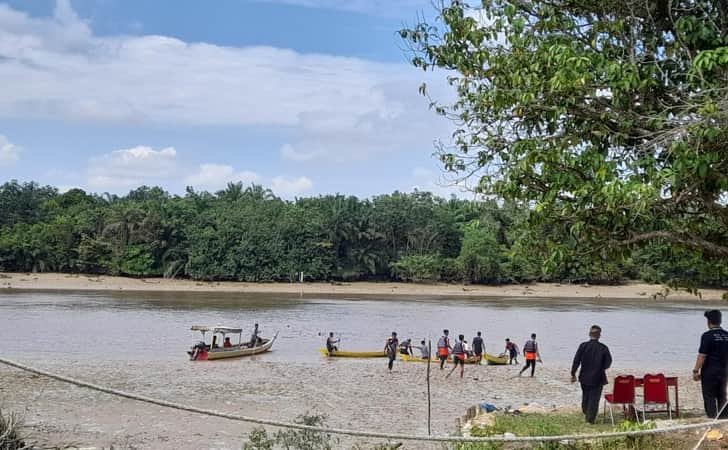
{"x": 443, "y": 348}
{"x": 478, "y": 347}
{"x": 390, "y": 348}
{"x": 459, "y": 351}
{"x": 254, "y": 338}
{"x": 405, "y": 348}
{"x": 512, "y": 351}
{"x": 530, "y": 352}
{"x": 424, "y": 350}
{"x": 331, "y": 342}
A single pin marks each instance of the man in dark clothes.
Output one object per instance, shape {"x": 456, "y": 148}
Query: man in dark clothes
{"x": 594, "y": 359}
{"x": 478, "y": 347}
{"x": 390, "y": 348}
{"x": 711, "y": 366}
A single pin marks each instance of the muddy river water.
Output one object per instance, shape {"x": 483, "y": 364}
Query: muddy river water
{"x": 137, "y": 341}
{"x": 156, "y": 325}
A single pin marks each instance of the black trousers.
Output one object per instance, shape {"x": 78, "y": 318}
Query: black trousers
{"x": 532, "y": 363}
{"x": 443, "y": 358}
{"x": 714, "y": 395}
{"x": 391, "y": 361}
{"x": 590, "y": 398}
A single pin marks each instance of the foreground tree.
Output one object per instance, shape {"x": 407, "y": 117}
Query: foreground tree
{"x": 608, "y": 118}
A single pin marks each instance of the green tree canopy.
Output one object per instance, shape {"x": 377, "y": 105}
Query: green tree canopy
{"x": 607, "y": 118}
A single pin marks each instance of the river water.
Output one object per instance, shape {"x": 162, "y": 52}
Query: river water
{"x": 137, "y": 341}
{"x": 133, "y": 325}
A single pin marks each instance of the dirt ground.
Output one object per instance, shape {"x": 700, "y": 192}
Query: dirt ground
{"x": 355, "y": 394}
{"x": 56, "y": 281}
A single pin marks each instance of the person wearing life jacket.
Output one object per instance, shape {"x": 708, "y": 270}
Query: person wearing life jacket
{"x": 227, "y": 343}
{"x": 530, "y": 352}
{"x": 390, "y": 348}
{"x": 459, "y": 351}
{"x": 443, "y": 348}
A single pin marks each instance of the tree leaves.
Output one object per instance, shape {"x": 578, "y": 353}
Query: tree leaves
{"x": 608, "y": 114}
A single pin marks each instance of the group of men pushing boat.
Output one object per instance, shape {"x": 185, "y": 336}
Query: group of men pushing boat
{"x": 459, "y": 350}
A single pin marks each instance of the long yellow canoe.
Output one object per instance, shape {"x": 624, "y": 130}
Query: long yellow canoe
{"x": 343, "y": 354}
{"x": 407, "y": 358}
{"x": 495, "y": 360}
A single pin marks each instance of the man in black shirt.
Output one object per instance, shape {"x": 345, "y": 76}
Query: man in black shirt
{"x": 711, "y": 366}
{"x": 594, "y": 359}
{"x": 478, "y": 347}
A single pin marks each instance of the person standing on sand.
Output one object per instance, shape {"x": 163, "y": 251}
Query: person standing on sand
{"x": 512, "y": 352}
{"x": 711, "y": 366}
{"x": 391, "y": 347}
{"x": 443, "y": 348}
{"x": 594, "y": 359}
{"x": 530, "y": 351}
{"x": 458, "y": 357}
{"x": 478, "y": 347}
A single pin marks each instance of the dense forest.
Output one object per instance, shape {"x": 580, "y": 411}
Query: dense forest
{"x": 248, "y": 234}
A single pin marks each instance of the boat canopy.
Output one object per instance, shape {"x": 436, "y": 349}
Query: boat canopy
{"x": 217, "y": 329}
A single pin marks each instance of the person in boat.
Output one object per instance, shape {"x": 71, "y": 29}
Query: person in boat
{"x": 254, "y": 338}
{"x": 227, "y": 343}
{"x": 390, "y": 348}
{"x": 530, "y": 351}
{"x": 405, "y": 348}
{"x": 711, "y": 366}
{"x": 459, "y": 351}
{"x": 478, "y": 347}
{"x": 512, "y": 352}
{"x": 331, "y": 344}
{"x": 443, "y": 348}
{"x": 424, "y": 350}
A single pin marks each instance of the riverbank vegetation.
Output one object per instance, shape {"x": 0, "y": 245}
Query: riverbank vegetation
{"x": 608, "y": 118}
{"x": 248, "y": 234}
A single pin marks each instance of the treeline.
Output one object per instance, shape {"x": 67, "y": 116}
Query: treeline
{"x": 248, "y": 234}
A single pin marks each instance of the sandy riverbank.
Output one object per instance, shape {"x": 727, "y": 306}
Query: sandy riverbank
{"x": 55, "y": 281}
{"x": 355, "y": 394}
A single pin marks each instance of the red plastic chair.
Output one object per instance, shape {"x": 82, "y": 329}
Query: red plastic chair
{"x": 623, "y": 394}
{"x": 655, "y": 393}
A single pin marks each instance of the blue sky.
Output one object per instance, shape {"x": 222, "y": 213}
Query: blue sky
{"x": 304, "y": 96}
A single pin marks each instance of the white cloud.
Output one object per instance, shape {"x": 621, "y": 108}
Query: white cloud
{"x": 9, "y": 152}
{"x": 400, "y": 9}
{"x": 130, "y": 168}
{"x": 213, "y": 177}
{"x": 288, "y": 152}
{"x": 336, "y": 108}
{"x": 291, "y": 187}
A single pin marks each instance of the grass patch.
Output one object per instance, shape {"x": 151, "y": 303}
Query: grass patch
{"x": 11, "y": 435}
{"x": 559, "y": 424}
{"x": 542, "y": 425}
